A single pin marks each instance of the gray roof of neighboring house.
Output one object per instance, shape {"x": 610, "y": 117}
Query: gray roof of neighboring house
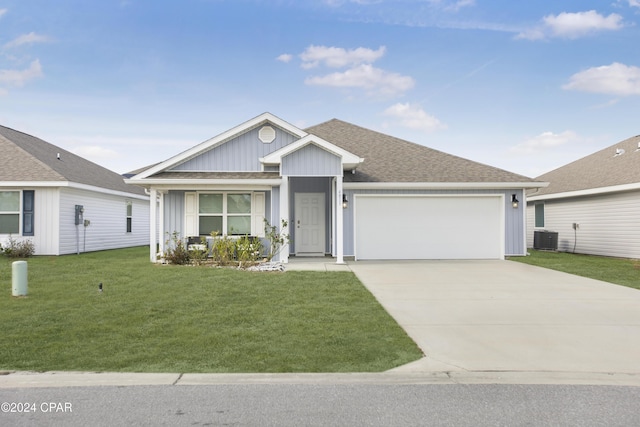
{"x": 27, "y": 158}
{"x": 601, "y": 169}
{"x": 390, "y": 159}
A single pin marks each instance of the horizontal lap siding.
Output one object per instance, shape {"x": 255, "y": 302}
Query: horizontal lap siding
{"x": 107, "y": 214}
{"x": 608, "y": 224}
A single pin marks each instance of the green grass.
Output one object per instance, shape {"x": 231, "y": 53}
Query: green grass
{"x": 159, "y": 318}
{"x": 620, "y": 271}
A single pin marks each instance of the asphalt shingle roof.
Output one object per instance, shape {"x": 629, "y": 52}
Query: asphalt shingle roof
{"x": 390, "y": 159}
{"x": 26, "y": 158}
{"x": 600, "y": 169}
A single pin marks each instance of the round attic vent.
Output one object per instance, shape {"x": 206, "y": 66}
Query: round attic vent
{"x": 267, "y": 134}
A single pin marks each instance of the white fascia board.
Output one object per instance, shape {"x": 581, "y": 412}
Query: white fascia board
{"x": 441, "y": 185}
{"x": 192, "y": 183}
{"x": 348, "y": 158}
{"x": 67, "y": 184}
{"x": 24, "y": 184}
{"x": 106, "y": 191}
{"x": 223, "y": 137}
{"x": 587, "y": 192}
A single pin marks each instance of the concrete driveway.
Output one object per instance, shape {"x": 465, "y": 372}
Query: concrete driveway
{"x": 507, "y": 316}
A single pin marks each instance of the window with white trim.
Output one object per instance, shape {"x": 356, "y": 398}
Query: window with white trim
{"x": 539, "y": 214}
{"x": 9, "y": 212}
{"x": 224, "y": 213}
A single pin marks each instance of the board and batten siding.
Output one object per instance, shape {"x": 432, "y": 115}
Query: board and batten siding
{"x": 608, "y": 224}
{"x": 108, "y": 216}
{"x": 311, "y": 160}
{"x": 173, "y": 214}
{"x": 514, "y": 218}
{"x": 240, "y": 154}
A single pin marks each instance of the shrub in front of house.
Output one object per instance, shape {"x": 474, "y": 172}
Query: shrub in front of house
{"x": 14, "y": 248}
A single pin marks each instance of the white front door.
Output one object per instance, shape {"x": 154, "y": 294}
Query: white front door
{"x": 309, "y": 223}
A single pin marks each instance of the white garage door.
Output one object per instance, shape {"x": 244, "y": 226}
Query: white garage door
{"x": 429, "y": 227}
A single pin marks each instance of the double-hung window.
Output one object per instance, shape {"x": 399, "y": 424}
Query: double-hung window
{"x": 224, "y": 213}
{"x": 9, "y": 212}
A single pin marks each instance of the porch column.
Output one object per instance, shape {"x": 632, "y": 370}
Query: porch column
{"x": 153, "y": 222}
{"x": 284, "y": 214}
{"x": 161, "y": 222}
{"x": 339, "y": 222}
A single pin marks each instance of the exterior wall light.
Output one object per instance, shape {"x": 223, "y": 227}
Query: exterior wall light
{"x": 345, "y": 202}
{"x": 514, "y": 201}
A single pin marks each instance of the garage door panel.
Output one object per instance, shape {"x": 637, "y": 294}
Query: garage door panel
{"x": 429, "y": 227}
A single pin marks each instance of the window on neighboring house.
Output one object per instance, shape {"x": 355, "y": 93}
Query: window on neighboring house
{"x": 539, "y": 207}
{"x": 224, "y": 213}
{"x": 27, "y": 212}
{"x": 129, "y": 216}
{"x": 9, "y": 212}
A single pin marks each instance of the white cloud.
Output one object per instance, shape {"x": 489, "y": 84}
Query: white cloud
{"x": 615, "y": 79}
{"x": 337, "y": 57}
{"x": 459, "y": 4}
{"x": 26, "y": 39}
{"x": 18, "y": 78}
{"x": 634, "y": 3}
{"x": 2, "y": 12}
{"x": 285, "y": 57}
{"x": 544, "y": 142}
{"x": 365, "y": 76}
{"x": 572, "y": 25}
{"x": 414, "y": 117}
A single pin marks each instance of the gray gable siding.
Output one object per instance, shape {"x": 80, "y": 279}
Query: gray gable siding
{"x": 311, "y": 160}
{"x": 240, "y": 154}
{"x": 514, "y": 226}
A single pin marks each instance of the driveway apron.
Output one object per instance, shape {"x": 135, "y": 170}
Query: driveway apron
{"x": 507, "y": 316}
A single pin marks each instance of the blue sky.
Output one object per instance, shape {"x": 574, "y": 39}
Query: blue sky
{"x": 525, "y": 86}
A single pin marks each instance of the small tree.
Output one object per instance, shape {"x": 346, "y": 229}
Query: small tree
{"x": 176, "y": 252}
{"x": 277, "y": 239}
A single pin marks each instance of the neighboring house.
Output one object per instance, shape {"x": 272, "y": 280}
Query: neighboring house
{"x": 64, "y": 203}
{"x": 600, "y": 194}
{"x": 344, "y": 190}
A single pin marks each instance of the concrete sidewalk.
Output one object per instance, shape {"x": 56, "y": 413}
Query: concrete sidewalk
{"x": 505, "y": 316}
{"x": 13, "y": 380}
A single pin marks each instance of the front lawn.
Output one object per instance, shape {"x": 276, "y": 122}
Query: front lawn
{"x": 620, "y": 271}
{"x": 159, "y": 318}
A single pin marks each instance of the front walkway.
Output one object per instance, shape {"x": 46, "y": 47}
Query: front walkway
{"x": 315, "y": 264}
